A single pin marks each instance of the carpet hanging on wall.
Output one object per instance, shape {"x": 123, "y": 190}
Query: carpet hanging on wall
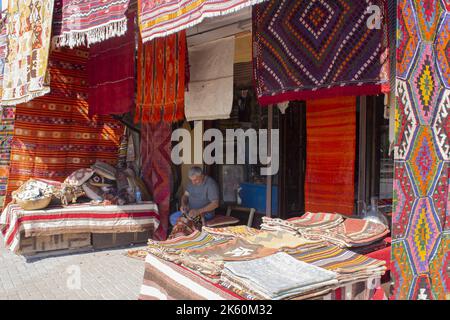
{"x": 85, "y": 22}
{"x": 111, "y": 73}
{"x": 330, "y": 155}
{"x": 318, "y": 49}
{"x": 163, "y": 18}
{"x": 156, "y": 169}
{"x": 161, "y": 79}
{"x": 53, "y": 134}
{"x": 421, "y": 218}
{"x": 28, "y": 30}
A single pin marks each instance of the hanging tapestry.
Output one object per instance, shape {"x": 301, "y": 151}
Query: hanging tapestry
{"x": 28, "y": 30}
{"x": 53, "y": 135}
{"x": 162, "y": 18}
{"x": 330, "y": 155}
{"x": 156, "y": 169}
{"x": 210, "y": 95}
{"x": 420, "y": 222}
{"x": 319, "y": 49}
{"x": 6, "y": 118}
{"x": 85, "y": 22}
{"x": 111, "y": 72}
{"x": 161, "y": 79}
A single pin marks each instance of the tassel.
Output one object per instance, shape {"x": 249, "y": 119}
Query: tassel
{"x": 155, "y": 116}
{"x": 146, "y": 114}
{"x": 179, "y": 115}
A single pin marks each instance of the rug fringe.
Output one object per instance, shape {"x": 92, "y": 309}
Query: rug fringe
{"x": 27, "y": 98}
{"x": 88, "y": 37}
{"x": 198, "y": 20}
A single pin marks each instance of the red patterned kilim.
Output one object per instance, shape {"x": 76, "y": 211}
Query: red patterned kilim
{"x": 53, "y": 134}
{"x": 156, "y": 169}
{"x": 330, "y": 163}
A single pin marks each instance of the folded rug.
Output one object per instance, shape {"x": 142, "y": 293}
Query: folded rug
{"x": 279, "y": 275}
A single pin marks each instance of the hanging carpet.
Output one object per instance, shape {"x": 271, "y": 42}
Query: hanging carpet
{"x": 318, "y": 49}
{"x": 85, "y": 22}
{"x": 330, "y": 155}
{"x": 53, "y": 135}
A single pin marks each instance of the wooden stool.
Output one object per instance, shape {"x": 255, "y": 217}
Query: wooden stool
{"x": 228, "y": 220}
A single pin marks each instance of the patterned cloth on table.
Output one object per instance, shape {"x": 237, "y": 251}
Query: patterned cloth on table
{"x": 171, "y": 249}
{"x": 111, "y": 72}
{"x": 232, "y": 231}
{"x": 156, "y": 168}
{"x": 167, "y": 281}
{"x": 330, "y": 155}
{"x": 85, "y": 22}
{"x": 28, "y": 30}
{"x": 161, "y": 79}
{"x": 210, "y": 95}
{"x": 278, "y": 276}
{"x": 162, "y": 18}
{"x": 349, "y": 266}
{"x": 210, "y": 260}
{"x": 317, "y": 220}
{"x": 310, "y": 49}
{"x": 53, "y": 134}
{"x": 281, "y": 240}
{"x": 16, "y": 223}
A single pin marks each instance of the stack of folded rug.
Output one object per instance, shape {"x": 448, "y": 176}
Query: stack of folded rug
{"x": 349, "y": 266}
{"x": 278, "y": 276}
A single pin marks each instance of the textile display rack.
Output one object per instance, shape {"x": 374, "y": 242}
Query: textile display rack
{"x": 18, "y": 226}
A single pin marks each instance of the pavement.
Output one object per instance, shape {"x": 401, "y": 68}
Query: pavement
{"x": 94, "y": 275}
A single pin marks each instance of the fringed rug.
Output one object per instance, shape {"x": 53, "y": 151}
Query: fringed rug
{"x": 28, "y": 29}
{"x": 310, "y": 49}
{"x": 85, "y": 22}
{"x": 161, "y": 79}
{"x": 53, "y": 135}
{"x": 162, "y": 18}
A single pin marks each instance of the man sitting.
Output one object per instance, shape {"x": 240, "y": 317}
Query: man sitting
{"x": 200, "y": 199}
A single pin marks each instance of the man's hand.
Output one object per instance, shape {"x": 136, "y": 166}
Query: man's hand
{"x": 194, "y": 213}
{"x": 184, "y": 209}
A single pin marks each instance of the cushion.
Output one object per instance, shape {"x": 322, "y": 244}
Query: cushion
{"x": 105, "y": 170}
{"x": 220, "y": 221}
{"x": 93, "y": 192}
{"x": 77, "y": 178}
{"x": 100, "y": 181}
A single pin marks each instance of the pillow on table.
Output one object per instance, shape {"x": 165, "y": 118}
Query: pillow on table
{"x": 78, "y": 177}
{"x": 93, "y": 192}
{"x": 105, "y": 170}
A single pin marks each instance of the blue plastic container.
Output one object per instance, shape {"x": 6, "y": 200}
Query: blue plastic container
{"x": 254, "y": 196}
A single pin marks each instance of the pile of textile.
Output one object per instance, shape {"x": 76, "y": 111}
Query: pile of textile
{"x": 348, "y": 265}
{"x": 331, "y": 228}
{"x": 263, "y": 264}
{"x": 278, "y": 276}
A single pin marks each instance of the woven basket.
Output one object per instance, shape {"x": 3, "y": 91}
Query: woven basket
{"x": 36, "y": 204}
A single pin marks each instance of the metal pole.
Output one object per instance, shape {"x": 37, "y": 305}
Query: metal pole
{"x": 269, "y": 153}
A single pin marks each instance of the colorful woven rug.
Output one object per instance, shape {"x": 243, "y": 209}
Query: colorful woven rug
{"x": 156, "y": 169}
{"x": 162, "y": 18}
{"x": 318, "y": 49}
{"x": 330, "y": 155}
{"x": 28, "y": 29}
{"x": 161, "y": 79}
{"x": 53, "y": 135}
{"x": 111, "y": 72}
{"x": 317, "y": 220}
{"x": 6, "y": 132}
{"x": 85, "y": 22}
{"x": 233, "y": 231}
{"x": 421, "y": 228}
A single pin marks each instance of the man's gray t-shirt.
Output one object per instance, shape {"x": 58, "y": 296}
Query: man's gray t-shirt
{"x": 203, "y": 194}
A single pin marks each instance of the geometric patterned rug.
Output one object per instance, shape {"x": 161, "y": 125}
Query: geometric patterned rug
{"x": 421, "y": 228}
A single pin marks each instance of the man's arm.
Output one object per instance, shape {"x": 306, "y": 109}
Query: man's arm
{"x": 184, "y": 202}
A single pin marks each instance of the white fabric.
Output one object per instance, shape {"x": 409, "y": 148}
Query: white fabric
{"x": 210, "y": 94}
